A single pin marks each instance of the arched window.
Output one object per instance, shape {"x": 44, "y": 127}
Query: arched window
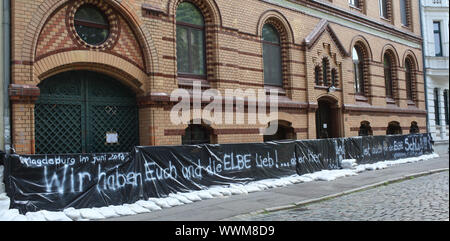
{"x": 409, "y": 78}
{"x": 358, "y": 69}
{"x": 91, "y": 25}
{"x": 405, "y": 12}
{"x": 325, "y": 66}
{"x": 191, "y": 59}
{"x": 197, "y": 134}
{"x": 394, "y": 128}
{"x": 334, "y": 77}
{"x": 385, "y": 10}
{"x": 272, "y": 56}
{"x": 388, "y": 76}
{"x": 365, "y": 129}
{"x": 414, "y": 129}
{"x": 317, "y": 73}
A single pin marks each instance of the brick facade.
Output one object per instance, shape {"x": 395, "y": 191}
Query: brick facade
{"x": 141, "y": 53}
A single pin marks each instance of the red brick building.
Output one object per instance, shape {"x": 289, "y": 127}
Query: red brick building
{"x": 86, "y": 69}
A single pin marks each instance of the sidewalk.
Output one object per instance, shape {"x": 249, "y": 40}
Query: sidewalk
{"x": 224, "y": 208}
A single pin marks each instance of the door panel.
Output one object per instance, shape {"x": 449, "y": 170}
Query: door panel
{"x": 76, "y": 109}
{"x": 323, "y": 121}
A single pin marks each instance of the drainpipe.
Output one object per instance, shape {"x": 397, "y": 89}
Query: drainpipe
{"x": 424, "y": 62}
{"x": 6, "y": 74}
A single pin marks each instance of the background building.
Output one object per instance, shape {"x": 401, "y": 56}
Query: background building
{"x": 83, "y": 70}
{"x": 435, "y": 14}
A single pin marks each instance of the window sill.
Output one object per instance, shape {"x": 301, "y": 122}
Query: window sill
{"x": 390, "y": 101}
{"x": 407, "y": 27}
{"x": 280, "y": 90}
{"x": 355, "y": 8}
{"x": 386, "y": 19}
{"x": 321, "y": 87}
{"x": 184, "y": 81}
{"x": 362, "y": 98}
{"x": 411, "y": 103}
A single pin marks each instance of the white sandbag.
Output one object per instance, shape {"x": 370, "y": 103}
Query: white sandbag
{"x": 73, "y": 213}
{"x": 204, "y": 194}
{"x": 55, "y": 216}
{"x": 261, "y": 185}
{"x": 4, "y": 204}
{"x": 280, "y": 183}
{"x": 3, "y": 196}
{"x": 8, "y": 215}
{"x": 252, "y": 188}
{"x": 20, "y": 218}
{"x": 223, "y": 190}
{"x": 293, "y": 179}
{"x": 91, "y": 214}
{"x": 137, "y": 208}
{"x": 180, "y": 198}
{"x": 240, "y": 187}
{"x": 191, "y": 196}
{"x": 325, "y": 176}
{"x": 305, "y": 179}
{"x": 235, "y": 191}
{"x": 348, "y": 163}
{"x": 107, "y": 212}
{"x": 160, "y": 202}
{"x": 214, "y": 193}
{"x": 269, "y": 183}
{"x": 123, "y": 210}
{"x": 173, "y": 201}
{"x": 35, "y": 216}
{"x": 149, "y": 205}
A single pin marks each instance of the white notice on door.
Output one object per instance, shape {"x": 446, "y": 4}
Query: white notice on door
{"x": 112, "y": 137}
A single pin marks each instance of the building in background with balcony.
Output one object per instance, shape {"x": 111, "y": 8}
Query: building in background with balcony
{"x": 435, "y": 14}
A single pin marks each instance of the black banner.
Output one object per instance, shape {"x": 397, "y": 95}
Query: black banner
{"x": 57, "y": 182}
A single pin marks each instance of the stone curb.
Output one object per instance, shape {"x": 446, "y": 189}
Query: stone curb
{"x": 310, "y": 201}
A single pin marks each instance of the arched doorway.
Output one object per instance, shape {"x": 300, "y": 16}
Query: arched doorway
{"x": 85, "y": 112}
{"x": 197, "y": 134}
{"x": 414, "y": 129}
{"x": 365, "y": 129}
{"x": 285, "y": 131}
{"x": 394, "y": 128}
{"x": 327, "y": 119}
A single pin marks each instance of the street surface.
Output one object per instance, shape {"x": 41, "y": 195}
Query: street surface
{"x": 424, "y": 198}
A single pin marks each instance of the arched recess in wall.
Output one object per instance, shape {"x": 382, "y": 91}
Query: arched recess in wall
{"x": 365, "y": 129}
{"x": 279, "y": 22}
{"x": 117, "y": 68}
{"x": 285, "y": 131}
{"x": 362, "y": 47}
{"x": 394, "y": 128}
{"x": 124, "y": 8}
{"x": 199, "y": 132}
{"x": 411, "y": 66}
{"x": 390, "y": 49}
{"x": 390, "y": 61}
{"x": 362, "y": 41}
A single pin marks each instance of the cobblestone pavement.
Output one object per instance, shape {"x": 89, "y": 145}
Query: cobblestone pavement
{"x": 423, "y": 198}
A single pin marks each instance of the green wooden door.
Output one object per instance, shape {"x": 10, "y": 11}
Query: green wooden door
{"x": 77, "y": 109}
